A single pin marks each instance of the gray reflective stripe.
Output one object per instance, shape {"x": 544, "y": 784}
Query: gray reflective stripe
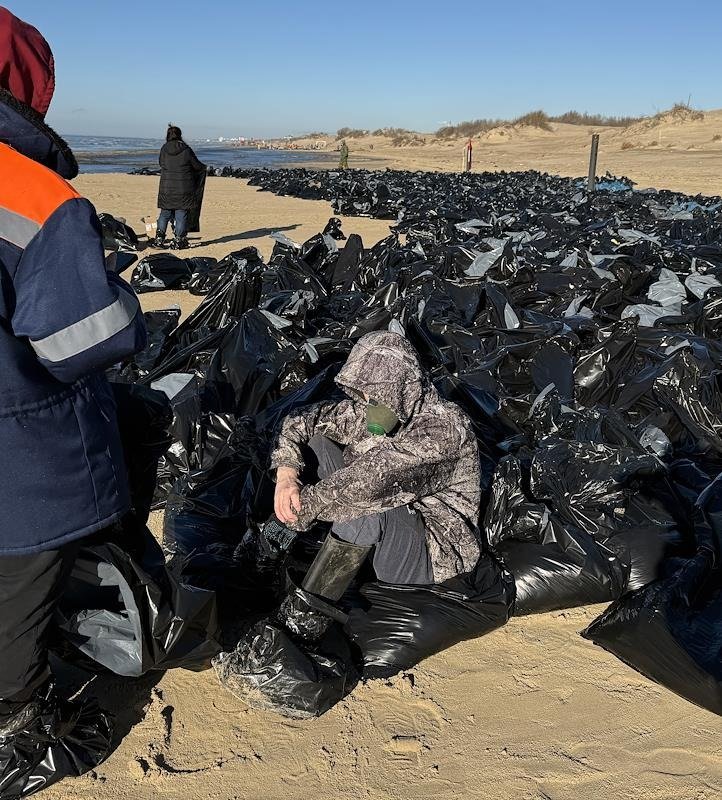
{"x": 17, "y": 229}
{"x": 88, "y": 332}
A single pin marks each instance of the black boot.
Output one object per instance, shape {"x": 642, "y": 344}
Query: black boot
{"x": 179, "y": 244}
{"x": 45, "y": 739}
{"x": 308, "y": 611}
{"x": 158, "y": 242}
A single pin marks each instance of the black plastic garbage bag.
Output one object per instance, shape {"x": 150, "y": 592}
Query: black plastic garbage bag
{"x": 117, "y": 235}
{"x": 159, "y": 324}
{"x": 398, "y": 626}
{"x": 271, "y": 669}
{"x": 144, "y": 419}
{"x": 160, "y": 271}
{"x": 47, "y": 740}
{"x": 236, "y": 290}
{"x": 206, "y": 519}
{"x": 194, "y": 213}
{"x": 568, "y": 568}
{"x": 567, "y": 526}
{"x": 124, "y": 610}
{"x": 205, "y": 272}
{"x": 670, "y": 630}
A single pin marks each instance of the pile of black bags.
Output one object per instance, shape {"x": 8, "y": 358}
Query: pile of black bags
{"x": 581, "y": 334}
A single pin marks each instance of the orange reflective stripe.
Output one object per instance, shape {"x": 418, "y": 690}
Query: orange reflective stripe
{"x": 29, "y": 189}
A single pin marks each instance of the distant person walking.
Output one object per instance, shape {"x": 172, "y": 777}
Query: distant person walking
{"x": 182, "y": 177}
{"x": 343, "y": 151}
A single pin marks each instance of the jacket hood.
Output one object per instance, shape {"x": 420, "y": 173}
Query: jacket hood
{"x": 385, "y": 367}
{"x": 25, "y": 130}
{"x": 174, "y": 147}
{"x": 27, "y": 68}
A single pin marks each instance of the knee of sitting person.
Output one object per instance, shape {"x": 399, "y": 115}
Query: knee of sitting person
{"x": 328, "y": 454}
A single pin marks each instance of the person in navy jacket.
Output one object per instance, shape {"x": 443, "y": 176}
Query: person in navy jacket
{"x": 63, "y": 321}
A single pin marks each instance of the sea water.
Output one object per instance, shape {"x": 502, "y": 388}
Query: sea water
{"x": 124, "y": 154}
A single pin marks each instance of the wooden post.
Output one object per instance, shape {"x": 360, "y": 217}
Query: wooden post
{"x": 592, "y": 182}
{"x": 467, "y": 156}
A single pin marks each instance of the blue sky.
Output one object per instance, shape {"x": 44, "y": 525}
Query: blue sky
{"x": 272, "y": 67}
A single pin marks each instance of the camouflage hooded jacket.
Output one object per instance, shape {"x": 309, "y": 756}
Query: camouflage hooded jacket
{"x": 430, "y": 462}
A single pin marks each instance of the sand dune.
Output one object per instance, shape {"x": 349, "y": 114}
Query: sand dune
{"x": 674, "y": 151}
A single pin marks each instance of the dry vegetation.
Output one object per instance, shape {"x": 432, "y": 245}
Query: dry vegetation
{"x": 536, "y": 119}
{"x": 595, "y": 120}
{"x": 539, "y": 119}
{"x": 681, "y": 111}
{"x": 350, "y": 133}
{"x": 469, "y": 128}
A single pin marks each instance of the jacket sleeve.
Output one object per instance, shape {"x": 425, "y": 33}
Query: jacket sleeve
{"x": 394, "y": 473}
{"x": 340, "y": 422}
{"x": 77, "y": 317}
{"x": 195, "y": 163}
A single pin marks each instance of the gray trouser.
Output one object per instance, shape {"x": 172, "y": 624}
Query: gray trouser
{"x": 400, "y": 555}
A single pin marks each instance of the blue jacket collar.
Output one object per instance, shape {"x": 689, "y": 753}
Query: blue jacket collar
{"x": 26, "y": 131}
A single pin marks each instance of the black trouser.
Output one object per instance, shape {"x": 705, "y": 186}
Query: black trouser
{"x": 30, "y": 587}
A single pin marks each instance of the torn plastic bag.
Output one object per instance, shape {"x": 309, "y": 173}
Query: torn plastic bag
{"x": 160, "y": 271}
{"x": 271, "y": 669}
{"x": 670, "y": 630}
{"x": 399, "y": 626}
{"x": 124, "y": 610}
{"x": 47, "y": 740}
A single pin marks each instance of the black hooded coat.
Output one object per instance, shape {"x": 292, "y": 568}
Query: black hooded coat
{"x": 182, "y": 177}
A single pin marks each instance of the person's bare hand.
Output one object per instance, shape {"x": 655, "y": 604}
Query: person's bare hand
{"x": 287, "y": 499}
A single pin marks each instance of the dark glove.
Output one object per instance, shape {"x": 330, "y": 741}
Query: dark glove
{"x": 275, "y": 538}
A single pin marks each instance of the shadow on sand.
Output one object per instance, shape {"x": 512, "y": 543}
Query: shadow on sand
{"x": 258, "y": 233}
{"x": 127, "y": 699}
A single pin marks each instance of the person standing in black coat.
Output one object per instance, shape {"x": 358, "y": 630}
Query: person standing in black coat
{"x": 181, "y": 175}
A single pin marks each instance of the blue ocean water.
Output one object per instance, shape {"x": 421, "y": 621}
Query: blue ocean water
{"x": 123, "y": 154}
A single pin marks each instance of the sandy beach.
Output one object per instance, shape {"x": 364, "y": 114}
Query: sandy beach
{"x": 529, "y": 712}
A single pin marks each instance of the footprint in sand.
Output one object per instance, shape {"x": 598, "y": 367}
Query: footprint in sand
{"x": 407, "y": 727}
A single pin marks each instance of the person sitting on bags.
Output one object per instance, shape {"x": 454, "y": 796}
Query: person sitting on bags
{"x": 398, "y": 474}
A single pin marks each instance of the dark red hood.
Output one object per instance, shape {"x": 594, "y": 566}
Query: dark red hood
{"x": 27, "y": 69}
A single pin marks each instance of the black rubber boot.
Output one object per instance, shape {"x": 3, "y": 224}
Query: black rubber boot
{"x": 46, "y": 739}
{"x": 179, "y": 244}
{"x": 309, "y": 610}
{"x": 158, "y": 242}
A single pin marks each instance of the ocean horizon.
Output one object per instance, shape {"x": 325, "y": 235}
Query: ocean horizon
{"x": 125, "y": 154}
